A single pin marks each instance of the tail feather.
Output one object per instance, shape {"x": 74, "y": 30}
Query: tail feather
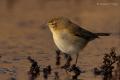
{"x": 103, "y": 34}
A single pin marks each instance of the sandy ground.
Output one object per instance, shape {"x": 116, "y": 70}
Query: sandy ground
{"x": 23, "y": 33}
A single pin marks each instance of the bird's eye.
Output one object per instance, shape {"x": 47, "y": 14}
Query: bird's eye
{"x": 52, "y": 23}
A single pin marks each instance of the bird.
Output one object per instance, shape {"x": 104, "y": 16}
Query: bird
{"x": 69, "y": 37}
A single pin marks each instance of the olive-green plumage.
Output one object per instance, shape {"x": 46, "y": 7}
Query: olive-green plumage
{"x": 69, "y": 37}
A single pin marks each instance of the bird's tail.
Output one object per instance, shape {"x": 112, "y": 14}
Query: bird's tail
{"x": 103, "y": 34}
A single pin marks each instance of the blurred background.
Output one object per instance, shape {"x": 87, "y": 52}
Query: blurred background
{"x": 23, "y": 31}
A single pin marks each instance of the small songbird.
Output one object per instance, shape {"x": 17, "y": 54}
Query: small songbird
{"x": 69, "y": 37}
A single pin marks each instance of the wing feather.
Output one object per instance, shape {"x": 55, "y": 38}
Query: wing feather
{"x": 80, "y": 32}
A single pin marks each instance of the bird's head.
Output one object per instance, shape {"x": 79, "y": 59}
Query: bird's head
{"x": 59, "y": 23}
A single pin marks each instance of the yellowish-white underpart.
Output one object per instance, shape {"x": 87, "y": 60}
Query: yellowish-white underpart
{"x": 67, "y": 42}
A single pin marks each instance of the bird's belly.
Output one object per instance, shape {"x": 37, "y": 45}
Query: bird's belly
{"x": 70, "y": 44}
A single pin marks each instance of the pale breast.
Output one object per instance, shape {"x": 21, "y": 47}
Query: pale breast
{"x": 68, "y": 43}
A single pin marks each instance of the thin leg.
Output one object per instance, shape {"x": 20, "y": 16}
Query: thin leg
{"x": 58, "y": 51}
{"x": 66, "y": 56}
{"x": 77, "y": 55}
{"x": 68, "y": 61}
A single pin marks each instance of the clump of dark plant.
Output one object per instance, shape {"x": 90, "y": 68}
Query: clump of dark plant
{"x": 34, "y": 69}
{"x": 47, "y": 71}
{"x": 58, "y": 57}
{"x": 76, "y": 71}
{"x": 56, "y": 76}
{"x": 117, "y": 70}
{"x": 107, "y": 67}
{"x": 71, "y": 68}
